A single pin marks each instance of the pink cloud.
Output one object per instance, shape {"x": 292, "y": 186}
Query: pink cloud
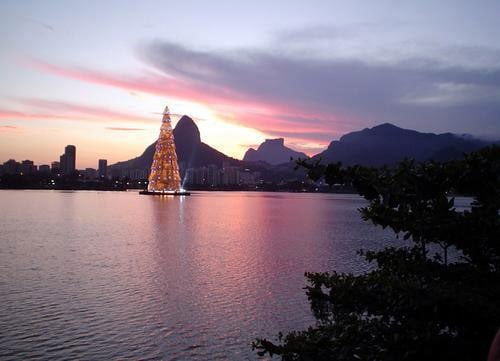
{"x": 228, "y": 104}
{"x": 151, "y": 83}
{"x": 50, "y": 109}
{"x": 154, "y": 83}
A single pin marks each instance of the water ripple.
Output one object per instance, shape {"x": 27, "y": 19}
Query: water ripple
{"x": 116, "y": 276}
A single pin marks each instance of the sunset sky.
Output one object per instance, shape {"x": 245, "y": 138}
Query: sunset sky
{"x": 97, "y": 74}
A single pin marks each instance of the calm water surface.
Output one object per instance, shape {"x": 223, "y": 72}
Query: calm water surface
{"x": 114, "y": 276}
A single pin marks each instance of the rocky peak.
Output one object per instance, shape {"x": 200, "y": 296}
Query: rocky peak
{"x": 186, "y": 131}
{"x": 272, "y": 151}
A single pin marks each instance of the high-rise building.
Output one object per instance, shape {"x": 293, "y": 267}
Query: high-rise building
{"x": 164, "y": 175}
{"x": 44, "y": 168}
{"x": 90, "y": 173}
{"x": 201, "y": 176}
{"x": 70, "y": 152}
{"x": 62, "y": 163}
{"x": 230, "y": 174}
{"x": 247, "y": 177}
{"x": 213, "y": 175}
{"x": 103, "y": 168}
{"x": 55, "y": 167}
{"x": 12, "y": 167}
{"x": 137, "y": 174}
{"x": 28, "y": 167}
{"x": 68, "y": 160}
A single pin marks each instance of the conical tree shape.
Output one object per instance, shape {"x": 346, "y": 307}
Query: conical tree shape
{"x": 164, "y": 176}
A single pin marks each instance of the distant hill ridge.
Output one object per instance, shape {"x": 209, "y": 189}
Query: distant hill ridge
{"x": 272, "y": 151}
{"x": 384, "y": 144}
{"x": 387, "y": 144}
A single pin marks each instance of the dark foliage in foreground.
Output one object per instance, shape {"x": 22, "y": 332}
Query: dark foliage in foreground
{"x": 417, "y": 304}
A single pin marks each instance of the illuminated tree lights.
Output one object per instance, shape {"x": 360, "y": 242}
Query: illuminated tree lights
{"x": 164, "y": 176}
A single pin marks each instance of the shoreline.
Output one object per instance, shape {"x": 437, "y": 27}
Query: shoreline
{"x": 190, "y": 190}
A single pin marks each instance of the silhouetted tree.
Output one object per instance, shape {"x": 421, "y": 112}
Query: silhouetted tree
{"x": 438, "y": 297}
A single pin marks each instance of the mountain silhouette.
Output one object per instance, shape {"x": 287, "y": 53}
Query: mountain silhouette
{"x": 191, "y": 151}
{"x": 384, "y": 144}
{"x": 272, "y": 151}
{"x": 387, "y": 144}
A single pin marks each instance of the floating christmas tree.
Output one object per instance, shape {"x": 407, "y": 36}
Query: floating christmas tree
{"x": 164, "y": 176}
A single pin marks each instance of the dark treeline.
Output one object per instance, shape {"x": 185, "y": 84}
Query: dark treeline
{"x": 417, "y": 303}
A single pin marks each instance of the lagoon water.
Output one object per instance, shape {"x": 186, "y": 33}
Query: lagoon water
{"x": 116, "y": 276}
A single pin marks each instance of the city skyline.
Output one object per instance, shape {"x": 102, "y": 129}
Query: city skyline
{"x": 210, "y": 176}
{"x": 98, "y": 75}
{"x": 65, "y": 165}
